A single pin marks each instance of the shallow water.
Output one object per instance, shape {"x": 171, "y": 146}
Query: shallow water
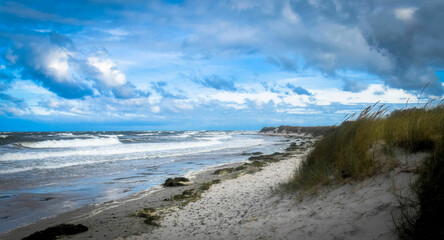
{"x": 47, "y": 173}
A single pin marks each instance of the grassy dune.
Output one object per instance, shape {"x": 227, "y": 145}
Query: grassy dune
{"x": 350, "y": 151}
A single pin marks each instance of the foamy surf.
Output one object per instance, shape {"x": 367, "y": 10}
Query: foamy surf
{"x": 72, "y": 143}
{"x": 104, "y": 150}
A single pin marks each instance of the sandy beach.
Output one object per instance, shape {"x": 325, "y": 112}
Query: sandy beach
{"x": 247, "y": 206}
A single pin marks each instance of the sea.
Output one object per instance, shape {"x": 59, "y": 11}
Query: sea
{"x": 43, "y": 174}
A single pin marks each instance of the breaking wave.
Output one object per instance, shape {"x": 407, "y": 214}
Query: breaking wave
{"x": 72, "y": 143}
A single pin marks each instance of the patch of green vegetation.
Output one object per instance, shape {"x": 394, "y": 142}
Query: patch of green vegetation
{"x": 257, "y": 164}
{"x": 240, "y": 168}
{"x": 207, "y": 185}
{"x": 275, "y": 157}
{"x": 224, "y": 171}
{"x": 150, "y": 216}
{"x": 175, "y": 182}
{"x": 54, "y": 232}
{"x": 184, "y": 195}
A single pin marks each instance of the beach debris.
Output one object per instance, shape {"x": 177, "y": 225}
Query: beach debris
{"x": 150, "y": 216}
{"x": 175, "y": 182}
{"x": 54, "y": 232}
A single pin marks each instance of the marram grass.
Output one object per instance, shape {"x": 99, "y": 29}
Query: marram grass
{"x": 348, "y": 152}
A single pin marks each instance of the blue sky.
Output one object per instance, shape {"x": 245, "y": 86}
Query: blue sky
{"x": 231, "y": 64}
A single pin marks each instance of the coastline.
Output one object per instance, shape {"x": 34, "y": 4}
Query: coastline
{"x": 116, "y": 218}
{"x": 113, "y": 219}
{"x": 247, "y": 204}
{"x": 131, "y": 163}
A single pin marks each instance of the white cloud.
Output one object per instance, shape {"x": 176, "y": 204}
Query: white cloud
{"x": 235, "y": 106}
{"x": 405, "y": 14}
{"x": 155, "y": 109}
{"x": 12, "y": 110}
{"x": 385, "y": 95}
{"x": 57, "y": 65}
{"x": 289, "y": 14}
{"x": 117, "y": 32}
{"x": 304, "y": 111}
{"x": 109, "y": 75}
{"x": 241, "y": 98}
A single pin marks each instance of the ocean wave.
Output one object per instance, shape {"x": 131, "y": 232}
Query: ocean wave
{"x": 146, "y": 134}
{"x": 132, "y": 150}
{"x": 4, "y": 136}
{"x": 59, "y": 165}
{"x": 65, "y": 134}
{"x": 107, "y": 150}
{"x": 111, "y": 135}
{"x": 71, "y": 143}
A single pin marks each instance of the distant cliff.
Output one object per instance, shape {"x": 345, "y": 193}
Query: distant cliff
{"x": 297, "y": 131}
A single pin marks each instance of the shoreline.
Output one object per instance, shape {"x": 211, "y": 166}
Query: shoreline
{"x": 116, "y": 213}
{"x": 247, "y": 204}
{"x": 115, "y": 218}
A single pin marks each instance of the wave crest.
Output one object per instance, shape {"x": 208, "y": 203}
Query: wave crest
{"x": 72, "y": 143}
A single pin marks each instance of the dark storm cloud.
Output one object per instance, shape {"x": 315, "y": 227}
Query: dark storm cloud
{"x": 398, "y": 41}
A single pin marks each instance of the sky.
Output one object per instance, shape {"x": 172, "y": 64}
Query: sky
{"x": 213, "y": 65}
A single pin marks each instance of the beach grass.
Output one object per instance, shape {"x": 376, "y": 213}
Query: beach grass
{"x": 420, "y": 216}
{"x": 351, "y": 151}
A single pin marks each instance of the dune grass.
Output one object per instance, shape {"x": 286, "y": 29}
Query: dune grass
{"x": 420, "y": 216}
{"x": 349, "y": 152}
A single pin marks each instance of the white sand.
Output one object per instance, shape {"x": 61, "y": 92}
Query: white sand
{"x": 247, "y": 208}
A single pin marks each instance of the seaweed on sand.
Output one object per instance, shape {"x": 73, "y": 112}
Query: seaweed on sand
{"x": 56, "y": 231}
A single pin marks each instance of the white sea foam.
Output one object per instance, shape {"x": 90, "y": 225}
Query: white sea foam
{"x": 132, "y": 151}
{"x": 110, "y": 135}
{"x": 72, "y": 143}
{"x": 104, "y": 150}
{"x": 65, "y": 134}
{"x": 146, "y": 134}
{"x": 58, "y": 165}
{"x": 4, "y": 136}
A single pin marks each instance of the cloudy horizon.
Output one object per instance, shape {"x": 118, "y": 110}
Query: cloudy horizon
{"x": 213, "y": 65}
